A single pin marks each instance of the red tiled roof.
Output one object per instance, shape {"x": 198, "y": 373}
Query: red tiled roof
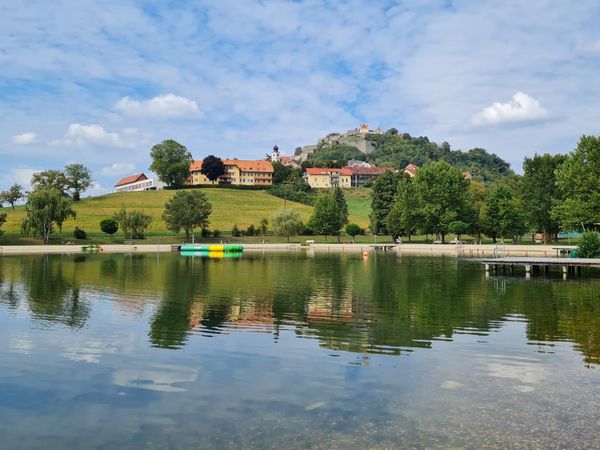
{"x": 411, "y": 169}
{"x": 327, "y": 171}
{"x": 358, "y": 170}
{"x": 131, "y": 179}
{"x": 196, "y": 166}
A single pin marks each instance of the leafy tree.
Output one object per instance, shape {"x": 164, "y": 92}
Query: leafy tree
{"x": 45, "y": 207}
{"x": 79, "y": 179}
{"x": 441, "y": 195}
{"x": 235, "y": 231}
{"x": 133, "y": 223}
{"x": 171, "y": 162}
{"x": 287, "y": 222}
{"x": 212, "y": 167}
{"x": 503, "y": 214}
{"x": 394, "y": 223}
{"x": 187, "y": 210}
{"x": 50, "y": 179}
{"x": 327, "y": 218}
{"x": 589, "y": 245}
{"x": 384, "y": 195}
{"x": 406, "y": 214}
{"x": 477, "y": 195}
{"x": 578, "y": 186}
{"x": 338, "y": 194}
{"x": 281, "y": 173}
{"x": 251, "y": 230}
{"x": 392, "y": 132}
{"x": 353, "y": 230}
{"x": 2, "y": 221}
{"x": 264, "y": 226}
{"x": 335, "y": 155}
{"x": 109, "y": 226}
{"x": 458, "y": 227}
{"x": 540, "y": 192}
{"x": 12, "y": 195}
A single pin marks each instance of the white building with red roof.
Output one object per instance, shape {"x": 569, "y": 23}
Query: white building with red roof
{"x": 138, "y": 182}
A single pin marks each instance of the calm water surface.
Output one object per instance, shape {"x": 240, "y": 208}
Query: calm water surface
{"x": 293, "y": 351}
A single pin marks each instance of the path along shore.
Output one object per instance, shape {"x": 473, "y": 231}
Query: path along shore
{"x": 469, "y": 251}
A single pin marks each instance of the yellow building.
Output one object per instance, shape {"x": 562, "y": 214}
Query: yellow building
{"x": 322, "y": 177}
{"x": 237, "y": 172}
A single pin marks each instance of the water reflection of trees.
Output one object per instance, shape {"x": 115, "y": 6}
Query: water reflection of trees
{"x": 49, "y": 294}
{"x": 385, "y": 304}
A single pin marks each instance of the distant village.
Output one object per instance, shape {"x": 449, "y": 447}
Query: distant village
{"x": 240, "y": 172}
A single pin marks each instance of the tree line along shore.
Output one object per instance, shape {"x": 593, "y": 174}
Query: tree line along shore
{"x": 555, "y": 193}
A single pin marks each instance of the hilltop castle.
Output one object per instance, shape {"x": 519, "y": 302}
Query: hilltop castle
{"x": 355, "y": 138}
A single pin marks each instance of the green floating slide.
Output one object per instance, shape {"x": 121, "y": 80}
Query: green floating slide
{"x": 213, "y": 248}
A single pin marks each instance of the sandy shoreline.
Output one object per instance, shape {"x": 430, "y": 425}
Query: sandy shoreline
{"x": 474, "y": 251}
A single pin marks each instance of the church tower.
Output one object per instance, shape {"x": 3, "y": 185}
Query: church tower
{"x": 275, "y": 154}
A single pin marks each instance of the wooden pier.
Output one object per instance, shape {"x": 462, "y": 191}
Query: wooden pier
{"x": 535, "y": 265}
{"x": 383, "y": 247}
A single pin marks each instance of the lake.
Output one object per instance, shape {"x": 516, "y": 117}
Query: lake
{"x": 294, "y": 350}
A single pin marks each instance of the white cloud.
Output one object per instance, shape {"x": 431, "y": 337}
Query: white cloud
{"x": 25, "y": 138}
{"x": 522, "y": 108}
{"x": 118, "y": 169}
{"x": 164, "y": 106}
{"x": 79, "y": 135}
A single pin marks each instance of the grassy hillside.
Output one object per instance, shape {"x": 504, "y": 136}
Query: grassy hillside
{"x": 229, "y": 206}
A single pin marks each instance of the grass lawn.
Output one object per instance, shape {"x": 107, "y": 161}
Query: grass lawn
{"x": 230, "y": 206}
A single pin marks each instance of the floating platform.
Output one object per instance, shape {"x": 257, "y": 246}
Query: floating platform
{"x": 226, "y": 248}
{"x": 211, "y": 255}
{"x": 532, "y": 264}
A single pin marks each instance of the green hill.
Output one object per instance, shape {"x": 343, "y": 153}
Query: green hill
{"x": 398, "y": 150}
{"x": 230, "y": 206}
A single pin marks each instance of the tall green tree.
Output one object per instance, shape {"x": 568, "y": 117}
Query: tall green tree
{"x": 212, "y": 167}
{"x": 578, "y": 186}
{"x": 384, "y": 196}
{"x": 503, "y": 214}
{"x": 79, "y": 179}
{"x": 327, "y": 218}
{"x": 12, "y": 195}
{"x": 46, "y": 207}
{"x": 187, "y": 210}
{"x": 287, "y": 222}
{"x": 540, "y": 192}
{"x": 133, "y": 223}
{"x": 340, "y": 199}
{"x": 171, "y": 162}
{"x": 441, "y": 196}
{"x": 50, "y": 179}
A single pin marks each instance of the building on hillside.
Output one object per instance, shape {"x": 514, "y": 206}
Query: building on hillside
{"x": 288, "y": 161}
{"x": 362, "y": 175}
{"x": 237, "y": 172}
{"x": 323, "y": 177}
{"x": 411, "y": 170}
{"x": 468, "y": 175}
{"x": 357, "y": 163}
{"x": 138, "y": 182}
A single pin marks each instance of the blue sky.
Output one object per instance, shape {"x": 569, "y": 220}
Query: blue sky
{"x": 101, "y": 82}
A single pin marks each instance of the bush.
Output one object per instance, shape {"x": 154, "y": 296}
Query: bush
{"x": 216, "y": 233}
{"x": 589, "y": 246}
{"x": 352, "y": 230}
{"x": 251, "y": 231}
{"x": 109, "y": 226}
{"x": 292, "y": 193}
{"x": 235, "y": 231}
{"x": 79, "y": 233}
{"x": 205, "y": 233}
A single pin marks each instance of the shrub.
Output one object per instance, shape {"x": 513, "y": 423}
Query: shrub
{"x": 235, "y": 231}
{"x": 216, "y": 233}
{"x": 79, "y": 233}
{"x": 205, "y": 232}
{"x": 589, "y": 246}
{"x": 251, "y": 231}
{"x": 352, "y": 230}
{"x": 109, "y": 226}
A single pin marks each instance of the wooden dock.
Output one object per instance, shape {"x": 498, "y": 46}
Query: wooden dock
{"x": 383, "y": 247}
{"x": 532, "y": 264}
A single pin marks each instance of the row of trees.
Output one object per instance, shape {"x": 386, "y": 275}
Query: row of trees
{"x": 556, "y": 192}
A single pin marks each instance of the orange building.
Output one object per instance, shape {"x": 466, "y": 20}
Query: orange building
{"x": 238, "y": 172}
